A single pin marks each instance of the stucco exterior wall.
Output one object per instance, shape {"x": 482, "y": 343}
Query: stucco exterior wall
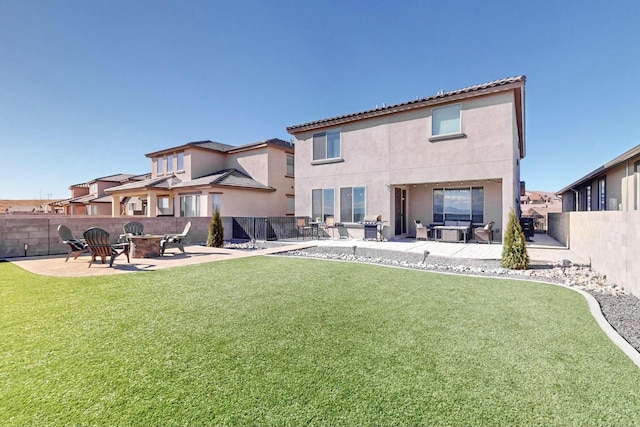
{"x": 393, "y": 151}
{"x": 200, "y": 163}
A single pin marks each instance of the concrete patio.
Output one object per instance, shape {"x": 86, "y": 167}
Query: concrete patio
{"x": 542, "y": 249}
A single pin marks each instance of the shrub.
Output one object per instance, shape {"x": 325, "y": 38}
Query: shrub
{"x": 215, "y": 239}
{"x": 514, "y": 252}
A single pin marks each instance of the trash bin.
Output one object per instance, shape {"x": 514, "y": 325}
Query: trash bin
{"x": 527, "y": 227}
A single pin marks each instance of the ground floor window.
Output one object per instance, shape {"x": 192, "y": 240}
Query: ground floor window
{"x": 352, "y": 204}
{"x": 602, "y": 195}
{"x": 215, "y": 203}
{"x": 163, "y": 206}
{"x": 190, "y": 205}
{"x": 322, "y": 203}
{"x": 291, "y": 205}
{"x": 458, "y": 204}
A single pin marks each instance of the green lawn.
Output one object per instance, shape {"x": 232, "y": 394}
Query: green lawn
{"x": 284, "y": 341}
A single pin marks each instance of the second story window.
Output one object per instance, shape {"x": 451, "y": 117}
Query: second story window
{"x": 180, "y": 158}
{"x": 159, "y": 168}
{"x": 445, "y": 120}
{"x": 290, "y": 165}
{"x": 170, "y": 163}
{"x": 326, "y": 145}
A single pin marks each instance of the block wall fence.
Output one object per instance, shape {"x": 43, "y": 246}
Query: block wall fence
{"x": 41, "y": 232}
{"x": 608, "y": 240}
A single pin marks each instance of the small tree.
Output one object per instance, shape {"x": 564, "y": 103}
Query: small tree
{"x": 215, "y": 239}
{"x": 514, "y": 252}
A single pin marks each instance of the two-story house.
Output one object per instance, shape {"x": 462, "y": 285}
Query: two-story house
{"x": 194, "y": 179}
{"x": 452, "y": 156}
{"x": 90, "y": 198}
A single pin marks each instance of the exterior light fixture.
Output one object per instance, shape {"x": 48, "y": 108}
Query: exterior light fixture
{"x": 565, "y": 263}
{"x": 354, "y": 250}
{"x": 426, "y": 254}
{"x": 26, "y": 248}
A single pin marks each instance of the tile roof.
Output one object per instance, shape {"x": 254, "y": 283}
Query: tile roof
{"x": 119, "y": 177}
{"x": 159, "y": 182}
{"x": 222, "y": 148}
{"x": 225, "y": 178}
{"x": 440, "y": 97}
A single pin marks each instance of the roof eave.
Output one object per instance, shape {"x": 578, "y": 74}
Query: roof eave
{"x": 610, "y": 164}
{"x": 407, "y": 106}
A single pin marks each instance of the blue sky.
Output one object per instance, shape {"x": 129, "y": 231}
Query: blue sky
{"x": 87, "y": 88}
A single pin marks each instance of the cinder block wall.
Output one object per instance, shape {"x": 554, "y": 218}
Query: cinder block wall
{"x": 41, "y": 232}
{"x": 558, "y": 227}
{"x": 609, "y": 239}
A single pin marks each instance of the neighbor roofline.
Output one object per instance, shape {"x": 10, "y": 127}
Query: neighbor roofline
{"x": 610, "y": 164}
{"x": 194, "y": 144}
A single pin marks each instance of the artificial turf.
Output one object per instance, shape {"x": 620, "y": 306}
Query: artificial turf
{"x": 285, "y": 341}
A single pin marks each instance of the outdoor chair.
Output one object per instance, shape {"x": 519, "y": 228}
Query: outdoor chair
{"x": 76, "y": 246}
{"x": 175, "y": 240}
{"x": 342, "y": 231}
{"x": 422, "y": 232}
{"x": 99, "y": 244}
{"x": 131, "y": 229}
{"x": 328, "y": 224}
{"x": 304, "y": 229}
{"x": 485, "y": 233}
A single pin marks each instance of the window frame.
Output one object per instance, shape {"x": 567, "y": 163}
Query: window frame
{"x": 474, "y": 216}
{"x": 290, "y": 168}
{"x": 602, "y": 194}
{"x": 159, "y": 165}
{"x": 323, "y": 151}
{"x": 195, "y": 209}
{"x": 349, "y": 211}
{"x": 441, "y": 136}
{"x": 180, "y": 161}
{"x": 291, "y": 205}
{"x": 161, "y": 209}
{"x": 170, "y": 163}
{"x": 327, "y": 196}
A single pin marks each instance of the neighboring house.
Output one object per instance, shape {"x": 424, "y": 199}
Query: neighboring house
{"x": 613, "y": 186}
{"x": 89, "y": 198}
{"x": 452, "y": 156}
{"x": 193, "y": 179}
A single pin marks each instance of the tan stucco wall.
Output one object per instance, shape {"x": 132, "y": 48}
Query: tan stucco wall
{"x": 609, "y": 239}
{"x": 395, "y": 150}
{"x": 266, "y": 165}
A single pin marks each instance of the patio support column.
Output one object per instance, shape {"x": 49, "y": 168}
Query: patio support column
{"x": 116, "y": 203}
{"x": 152, "y": 204}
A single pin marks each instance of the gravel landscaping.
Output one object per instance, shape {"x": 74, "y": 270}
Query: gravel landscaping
{"x": 620, "y": 308}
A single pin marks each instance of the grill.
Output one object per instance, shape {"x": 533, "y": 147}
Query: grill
{"x": 371, "y": 223}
